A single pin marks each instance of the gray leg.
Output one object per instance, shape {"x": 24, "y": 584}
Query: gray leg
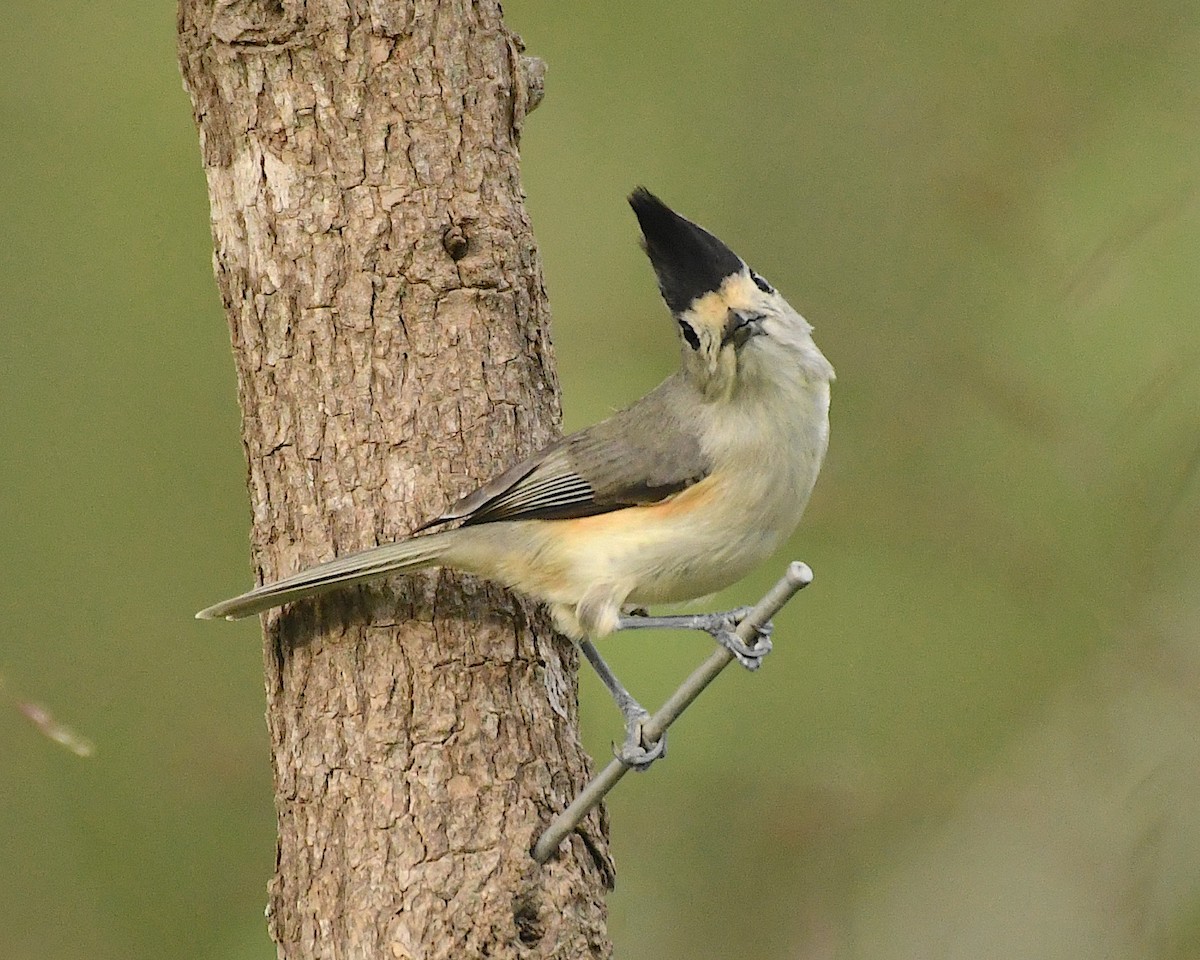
{"x": 633, "y": 753}
{"x": 721, "y": 626}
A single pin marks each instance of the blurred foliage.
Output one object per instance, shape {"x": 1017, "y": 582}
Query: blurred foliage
{"x": 978, "y": 734}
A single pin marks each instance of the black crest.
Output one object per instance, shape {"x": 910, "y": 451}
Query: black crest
{"x": 689, "y": 260}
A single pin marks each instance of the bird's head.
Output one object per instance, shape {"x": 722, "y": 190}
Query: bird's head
{"x": 737, "y": 332}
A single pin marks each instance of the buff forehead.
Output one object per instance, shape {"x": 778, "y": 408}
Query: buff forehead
{"x": 737, "y": 292}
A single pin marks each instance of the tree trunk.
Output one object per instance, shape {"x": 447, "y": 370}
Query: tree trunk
{"x": 389, "y": 325}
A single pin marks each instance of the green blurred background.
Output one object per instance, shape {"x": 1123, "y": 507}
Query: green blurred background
{"x": 979, "y": 735}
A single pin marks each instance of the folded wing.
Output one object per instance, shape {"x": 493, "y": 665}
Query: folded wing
{"x": 638, "y": 456}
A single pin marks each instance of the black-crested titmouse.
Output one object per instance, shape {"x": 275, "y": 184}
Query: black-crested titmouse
{"x": 671, "y": 499}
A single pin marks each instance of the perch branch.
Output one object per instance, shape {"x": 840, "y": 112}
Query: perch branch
{"x": 798, "y": 575}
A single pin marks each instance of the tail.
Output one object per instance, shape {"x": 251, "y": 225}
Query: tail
{"x": 371, "y": 564}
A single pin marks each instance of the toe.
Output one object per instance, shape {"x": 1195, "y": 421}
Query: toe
{"x": 638, "y": 757}
{"x": 762, "y": 630}
{"x": 748, "y": 656}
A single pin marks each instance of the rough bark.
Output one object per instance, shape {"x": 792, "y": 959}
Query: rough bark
{"x": 389, "y": 325}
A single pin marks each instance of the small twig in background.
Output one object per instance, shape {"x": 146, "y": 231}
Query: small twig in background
{"x": 797, "y": 575}
{"x": 47, "y": 726}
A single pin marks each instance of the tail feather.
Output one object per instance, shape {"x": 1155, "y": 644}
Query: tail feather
{"x": 368, "y": 565}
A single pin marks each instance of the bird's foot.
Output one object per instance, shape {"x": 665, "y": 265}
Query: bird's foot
{"x": 724, "y": 630}
{"x": 634, "y": 752}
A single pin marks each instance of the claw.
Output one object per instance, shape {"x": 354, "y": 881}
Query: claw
{"x": 748, "y": 655}
{"x": 633, "y": 752}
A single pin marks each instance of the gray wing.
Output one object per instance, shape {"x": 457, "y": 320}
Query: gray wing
{"x": 641, "y": 455}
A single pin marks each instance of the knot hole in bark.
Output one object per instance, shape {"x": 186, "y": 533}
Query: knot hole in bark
{"x": 525, "y": 915}
{"x": 456, "y": 241}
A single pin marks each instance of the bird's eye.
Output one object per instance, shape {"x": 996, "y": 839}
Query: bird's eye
{"x": 689, "y": 334}
{"x": 761, "y": 283}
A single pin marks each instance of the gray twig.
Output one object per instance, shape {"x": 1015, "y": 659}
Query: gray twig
{"x": 797, "y": 575}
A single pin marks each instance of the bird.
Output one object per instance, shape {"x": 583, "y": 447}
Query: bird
{"x": 669, "y": 500}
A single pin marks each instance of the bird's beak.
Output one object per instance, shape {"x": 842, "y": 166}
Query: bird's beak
{"x": 741, "y": 327}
